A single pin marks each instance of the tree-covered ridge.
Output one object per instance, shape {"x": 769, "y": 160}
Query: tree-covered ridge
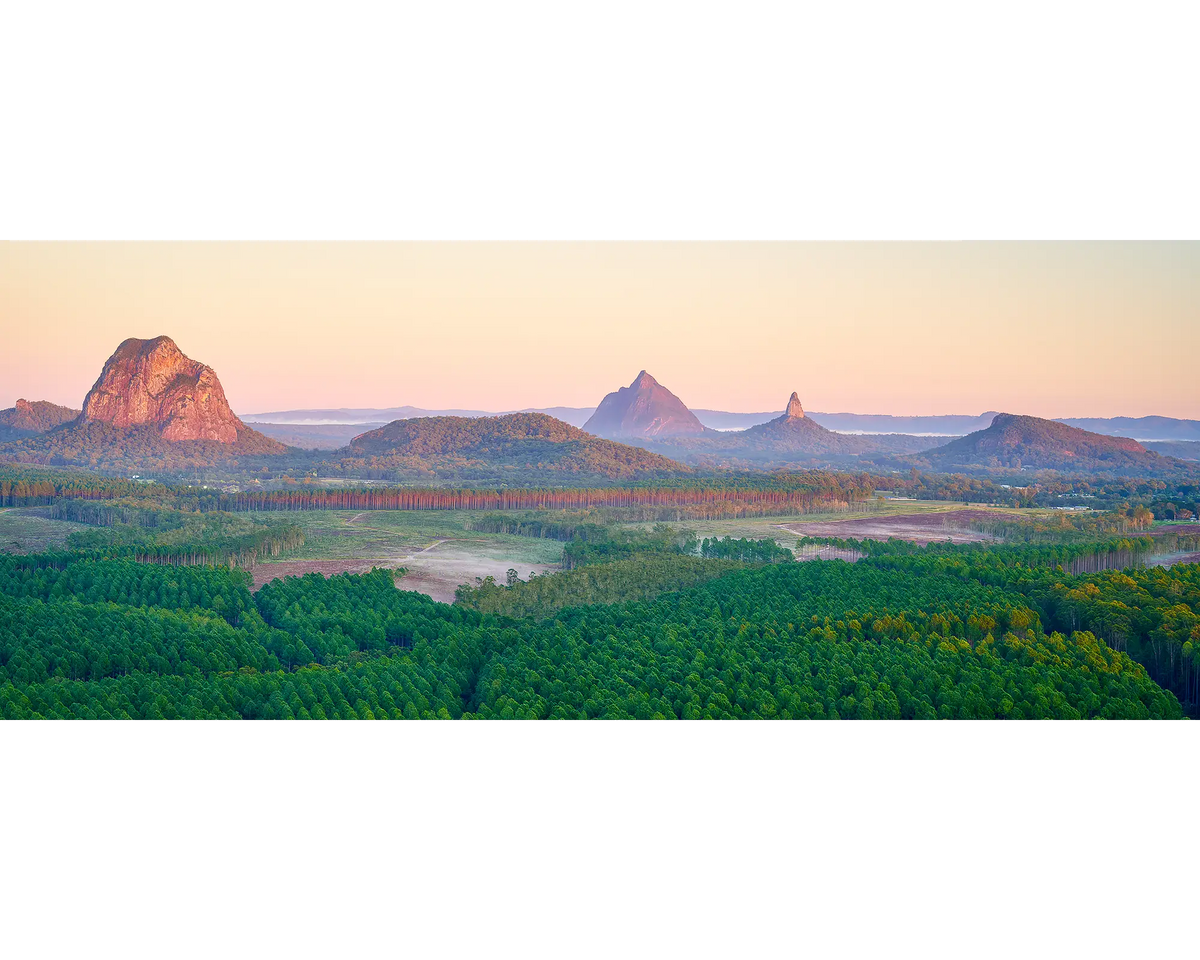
{"x": 435, "y": 435}
{"x": 96, "y": 445}
{"x": 1023, "y": 441}
{"x": 29, "y": 418}
{"x": 517, "y": 443}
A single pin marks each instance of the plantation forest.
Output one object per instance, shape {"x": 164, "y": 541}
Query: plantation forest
{"x": 148, "y": 609}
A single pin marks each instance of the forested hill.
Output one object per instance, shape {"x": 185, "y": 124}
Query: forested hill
{"x": 515, "y": 445}
{"x": 1018, "y": 441}
{"x": 29, "y": 418}
{"x": 102, "y": 446}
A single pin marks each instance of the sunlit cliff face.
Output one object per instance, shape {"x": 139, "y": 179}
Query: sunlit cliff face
{"x": 151, "y": 382}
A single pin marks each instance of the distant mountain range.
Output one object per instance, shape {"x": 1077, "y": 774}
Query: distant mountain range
{"x": 1139, "y": 428}
{"x": 1181, "y": 449}
{"x": 1143, "y": 429}
{"x": 154, "y": 408}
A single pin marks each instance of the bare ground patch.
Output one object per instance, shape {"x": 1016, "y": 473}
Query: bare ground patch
{"x": 919, "y": 528}
{"x": 1170, "y": 559}
{"x": 436, "y": 570}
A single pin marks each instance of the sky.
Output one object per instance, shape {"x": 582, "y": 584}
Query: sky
{"x": 1048, "y": 329}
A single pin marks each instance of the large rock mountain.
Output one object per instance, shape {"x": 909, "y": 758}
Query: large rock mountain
{"x": 32, "y": 417}
{"x": 150, "y": 383}
{"x": 646, "y": 410}
{"x": 153, "y": 409}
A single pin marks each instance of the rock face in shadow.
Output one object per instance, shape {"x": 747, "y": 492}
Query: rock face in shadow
{"x": 644, "y": 409}
{"x": 150, "y": 383}
{"x": 32, "y": 417}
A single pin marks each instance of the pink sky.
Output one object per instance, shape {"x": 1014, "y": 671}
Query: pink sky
{"x": 1049, "y": 329}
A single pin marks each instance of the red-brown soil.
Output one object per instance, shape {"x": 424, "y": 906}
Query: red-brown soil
{"x": 918, "y": 528}
{"x": 1167, "y": 530}
{"x": 436, "y": 571}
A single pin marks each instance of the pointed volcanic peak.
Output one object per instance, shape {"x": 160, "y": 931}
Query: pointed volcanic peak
{"x": 32, "y": 417}
{"x": 644, "y": 409}
{"x": 151, "y": 384}
{"x": 793, "y": 432}
{"x": 1021, "y": 441}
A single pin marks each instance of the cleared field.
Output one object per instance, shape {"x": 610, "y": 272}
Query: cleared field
{"x": 921, "y": 528}
{"x": 435, "y": 547}
{"x": 891, "y": 515}
{"x": 1170, "y": 559}
{"x": 22, "y": 531}
{"x": 1168, "y": 528}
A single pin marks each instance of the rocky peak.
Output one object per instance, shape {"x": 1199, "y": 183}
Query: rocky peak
{"x": 645, "y": 408}
{"x": 794, "y": 409}
{"x": 152, "y": 383}
{"x": 36, "y": 416}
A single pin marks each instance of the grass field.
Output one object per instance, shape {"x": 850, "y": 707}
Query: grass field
{"x": 355, "y": 535}
{"x": 761, "y": 528}
{"x": 22, "y": 531}
{"x": 439, "y": 552}
{"x": 435, "y": 548}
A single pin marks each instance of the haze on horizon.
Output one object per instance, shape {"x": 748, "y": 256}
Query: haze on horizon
{"x": 1049, "y": 329}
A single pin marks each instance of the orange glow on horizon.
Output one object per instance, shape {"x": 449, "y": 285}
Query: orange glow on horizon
{"x": 1049, "y": 329}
